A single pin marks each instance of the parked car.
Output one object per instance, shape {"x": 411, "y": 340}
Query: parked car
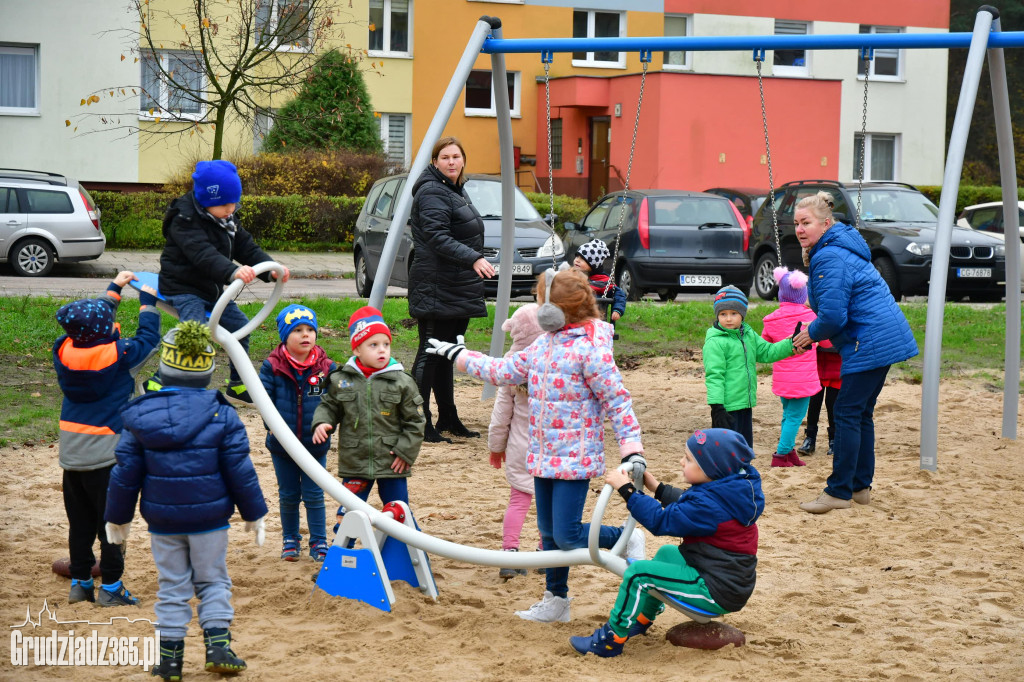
{"x": 536, "y": 245}
{"x": 46, "y": 217}
{"x": 671, "y": 241}
{"x": 898, "y": 223}
{"x": 988, "y": 217}
{"x": 747, "y": 200}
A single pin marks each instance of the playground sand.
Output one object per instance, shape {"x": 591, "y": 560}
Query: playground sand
{"x": 924, "y": 584}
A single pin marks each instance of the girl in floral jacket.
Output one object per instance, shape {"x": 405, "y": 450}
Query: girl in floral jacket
{"x": 573, "y": 384}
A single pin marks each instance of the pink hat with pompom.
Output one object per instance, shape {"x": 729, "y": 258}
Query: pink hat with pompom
{"x": 523, "y": 326}
{"x": 792, "y": 285}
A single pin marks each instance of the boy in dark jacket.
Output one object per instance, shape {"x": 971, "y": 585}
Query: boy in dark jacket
{"x": 589, "y": 259}
{"x": 95, "y": 370}
{"x": 715, "y": 566}
{"x": 379, "y": 409}
{"x": 203, "y": 241}
{"x": 187, "y": 451}
{"x": 295, "y": 377}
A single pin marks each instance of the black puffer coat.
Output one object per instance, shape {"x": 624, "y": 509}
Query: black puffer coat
{"x": 198, "y": 257}
{"x": 448, "y": 235}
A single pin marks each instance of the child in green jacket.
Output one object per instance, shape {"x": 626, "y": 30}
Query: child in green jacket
{"x": 378, "y": 410}
{"x": 731, "y": 352}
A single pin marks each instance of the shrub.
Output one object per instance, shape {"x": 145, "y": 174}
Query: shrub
{"x": 568, "y": 209}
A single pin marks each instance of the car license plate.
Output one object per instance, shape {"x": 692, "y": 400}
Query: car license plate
{"x": 974, "y": 272}
{"x": 517, "y": 269}
{"x": 700, "y": 280}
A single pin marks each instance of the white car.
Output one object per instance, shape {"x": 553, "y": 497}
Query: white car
{"x": 989, "y": 218}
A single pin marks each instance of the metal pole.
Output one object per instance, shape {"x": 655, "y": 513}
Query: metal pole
{"x": 508, "y": 203}
{"x": 433, "y": 134}
{"x": 1011, "y": 234}
{"x": 943, "y": 238}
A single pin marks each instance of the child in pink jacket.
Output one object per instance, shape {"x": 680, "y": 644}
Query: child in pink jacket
{"x": 794, "y": 379}
{"x": 508, "y": 436}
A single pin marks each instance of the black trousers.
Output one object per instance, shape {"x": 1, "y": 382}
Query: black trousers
{"x": 433, "y": 372}
{"x": 828, "y": 395}
{"x": 85, "y": 501}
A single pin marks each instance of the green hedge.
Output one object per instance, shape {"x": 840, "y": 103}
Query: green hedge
{"x": 568, "y": 209}
{"x": 969, "y": 195}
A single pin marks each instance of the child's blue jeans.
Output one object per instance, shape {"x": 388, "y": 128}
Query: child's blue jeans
{"x": 191, "y": 307}
{"x": 793, "y": 412}
{"x": 294, "y": 485}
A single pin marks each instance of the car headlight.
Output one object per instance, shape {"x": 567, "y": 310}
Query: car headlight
{"x": 1000, "y": 250}
{"x": 919, "y": 249}
{"x": 551, "y": 248}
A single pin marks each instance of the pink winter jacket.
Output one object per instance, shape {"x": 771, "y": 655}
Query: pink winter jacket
{"x": 573, "y": 383}
{"x": 797, "y": 375}
{"x": 509, "y": 433}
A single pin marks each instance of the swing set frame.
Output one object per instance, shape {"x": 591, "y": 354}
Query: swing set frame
{"x": 986, "y": 39}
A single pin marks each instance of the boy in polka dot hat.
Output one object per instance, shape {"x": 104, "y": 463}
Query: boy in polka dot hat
{"x": 714, "y": 568}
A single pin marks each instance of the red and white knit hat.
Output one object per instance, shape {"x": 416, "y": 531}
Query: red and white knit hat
{"x": 364, "y": 323}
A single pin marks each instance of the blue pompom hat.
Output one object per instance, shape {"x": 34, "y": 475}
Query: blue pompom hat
{"x": 216, "y": 183}
{"x": 87, "y": 320}
{"x": 719, "y": 452}
{"x": 292, "y": 316}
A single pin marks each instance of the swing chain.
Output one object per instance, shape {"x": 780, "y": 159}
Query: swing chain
{"x": 866, "y": 56}
{"x": 768, "y": 156}
{"x": 629, "y": 170}
{"x": 551, "y": 172}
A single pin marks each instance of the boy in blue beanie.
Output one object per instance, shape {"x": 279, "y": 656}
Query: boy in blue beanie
{"x": 203, "y": 242}
{"x": 95, "y": 370}
{"x": 715, "y": 566}
{"x": 295, "y": 377}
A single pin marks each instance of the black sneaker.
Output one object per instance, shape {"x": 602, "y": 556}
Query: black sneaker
{"x": 807, "y": 448}
{"x": 236, "y": 390}
{"x": 829, "y": 453}
{"x": 81, "y": 591}
{"x": 172, "y": 655}
{"x": 219, "y": 656}
{"x": 456, "y": 428}
{"x": 118, "y": 597}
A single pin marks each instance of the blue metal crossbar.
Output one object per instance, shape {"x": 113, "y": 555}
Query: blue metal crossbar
{"x": 861, "y": 41}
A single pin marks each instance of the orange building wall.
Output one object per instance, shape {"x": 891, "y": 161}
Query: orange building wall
{"x": 923, "y": 13}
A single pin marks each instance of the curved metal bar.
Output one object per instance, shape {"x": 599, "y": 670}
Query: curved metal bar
{"x": 232, "y": 292}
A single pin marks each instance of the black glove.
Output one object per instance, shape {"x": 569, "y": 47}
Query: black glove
{"x": 796, "y": 331}
{"x": 720, "y": 417}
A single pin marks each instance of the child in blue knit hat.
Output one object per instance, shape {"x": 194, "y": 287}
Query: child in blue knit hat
{"x": 295, "y": 377}
{"x": 714, "y": 568}
{"x": 204, "y": 244}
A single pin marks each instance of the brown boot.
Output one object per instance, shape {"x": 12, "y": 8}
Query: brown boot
{"x": 862, "y": 496}
{"x": 825, "y": 503}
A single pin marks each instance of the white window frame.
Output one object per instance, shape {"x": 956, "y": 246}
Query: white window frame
{"x": 22, "y": 50}
{"x": 590, "y": 60}
{"x": 896, "y": 156}
{"x": 272, "y": 26}
{"x": 161, "y": 111}
{"x": 514, "y": 105}
{"x": 899, "y": 77}
{"x": 794, "y": 71}
{"x": 268, "y": 115}
{"x": 387, "y": 51}
{"x": 385, "y": 121}
{"x": 687, "y": 64}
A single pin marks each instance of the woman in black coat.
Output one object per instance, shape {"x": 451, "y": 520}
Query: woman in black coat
{"x": 446, "y": 279}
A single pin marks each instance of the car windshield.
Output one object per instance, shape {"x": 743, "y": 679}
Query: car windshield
{"x": 897, "y": 205}
{"x": 486, "y": 196}
{"x": 689, "y": 211}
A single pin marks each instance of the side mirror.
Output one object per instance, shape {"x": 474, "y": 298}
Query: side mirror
{"x": 550, "y": 219}
{"x": 570, "y": 226}
{"x": 839, "y": 216}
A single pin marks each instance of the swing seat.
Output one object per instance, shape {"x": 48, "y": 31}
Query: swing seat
{"x": 689, "y": 610}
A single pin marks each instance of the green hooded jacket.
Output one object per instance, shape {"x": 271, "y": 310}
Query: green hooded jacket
{"x": 730, "y": 364}
{"x": 374, "y": 417}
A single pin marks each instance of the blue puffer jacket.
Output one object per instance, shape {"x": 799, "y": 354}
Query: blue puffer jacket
{"x": 296, "y": 395}
{"x": 187, "y": 451}
{"x": 856, "y": 311}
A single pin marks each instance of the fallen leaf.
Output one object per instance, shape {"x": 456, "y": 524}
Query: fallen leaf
{"x": 67, "y": 123}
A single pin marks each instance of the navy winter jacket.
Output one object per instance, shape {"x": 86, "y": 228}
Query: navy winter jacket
{"x": 856, "y": 311}
{"x": 296, "y": 395}
{"x": 187, "y": 451}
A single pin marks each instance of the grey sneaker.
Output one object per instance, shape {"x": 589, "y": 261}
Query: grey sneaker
{"x": 509, "y": 573}
{"x": 119, "y": 597}
{"x": 862, "y": 496}
{"x": 550, "y": 609}
{"x": 81, "y": 592}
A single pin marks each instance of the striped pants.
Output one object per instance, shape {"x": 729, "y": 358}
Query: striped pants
{"x": 669, "y": 573}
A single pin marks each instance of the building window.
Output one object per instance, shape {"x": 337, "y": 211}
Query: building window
{"x": 394, "y": 133}
{"x": 262, "y": 122}
{"x": 888, "y": 62}
{"x": 593, "y": 24}
{"x": 172, "y": 85}
{"x": 880, "y": 156}
{"x": 480, "y": 94}
{"x": 556, "y": 143}
{"x": 283, "y": 24}
{"x": 390, "y": 22}
{"x": 19, "y": 83}
{"x": 791, "y": 62}
{"x": 676, "y": 25}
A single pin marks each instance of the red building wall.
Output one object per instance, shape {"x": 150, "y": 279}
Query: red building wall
{"x": 924, "y": 13}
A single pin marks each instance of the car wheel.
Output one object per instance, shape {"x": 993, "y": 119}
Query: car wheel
{"x": 628, "y": 284}
{"x": 890, "y": 276}
{"x": 364, "y": 285}
{"x": 764, "y": 278}
{"x": 32, "y": 258}
{"x": 667, "y": 294}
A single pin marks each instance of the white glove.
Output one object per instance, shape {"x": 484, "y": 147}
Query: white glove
{"x": 635, "y": 465}
{"x": 259, "y": 527}
{"x": 447, "y": 349}
{"x": 117, "y": 534}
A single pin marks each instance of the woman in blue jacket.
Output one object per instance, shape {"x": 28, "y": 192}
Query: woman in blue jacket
{"x": 858, "y": 314}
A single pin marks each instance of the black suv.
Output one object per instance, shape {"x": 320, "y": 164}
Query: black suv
{"x": 898, "y": 223}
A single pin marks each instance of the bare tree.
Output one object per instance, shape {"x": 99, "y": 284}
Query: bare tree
{"x": 205, "y": 58}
